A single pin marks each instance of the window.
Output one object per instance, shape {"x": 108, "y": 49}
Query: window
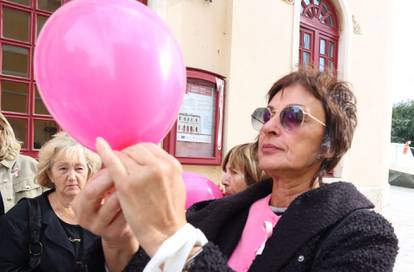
{"x": 20, "y": 24}
{"x": 196, "y": 138}
{"x": 318, "y": 35}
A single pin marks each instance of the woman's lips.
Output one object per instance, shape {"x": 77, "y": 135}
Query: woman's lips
{"x": 270, "y": 148}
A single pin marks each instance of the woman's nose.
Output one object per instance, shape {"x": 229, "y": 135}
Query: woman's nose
{"x": 225, "y": 179}
{"x": 72, "y": 174}
{"x": 272, "y": 126}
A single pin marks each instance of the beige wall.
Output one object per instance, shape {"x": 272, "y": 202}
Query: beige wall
{"x": 252, "y": 44}
{"x": 367, "y": 162}
{"x": 260, "y": 53}
{"x": 203, "y": 30}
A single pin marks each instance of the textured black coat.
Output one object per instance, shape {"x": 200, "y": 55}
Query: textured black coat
{"x": 361, "y": 240}
{"x": 58, "y": 254}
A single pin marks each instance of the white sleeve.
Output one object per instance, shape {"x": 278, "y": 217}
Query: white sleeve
{"x": 173, "y": 252}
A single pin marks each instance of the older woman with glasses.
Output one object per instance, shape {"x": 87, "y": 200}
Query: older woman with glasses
{"x": 290, "y": 222}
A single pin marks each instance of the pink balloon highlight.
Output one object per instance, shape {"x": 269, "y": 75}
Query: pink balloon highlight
{"x": 110, "y": 68}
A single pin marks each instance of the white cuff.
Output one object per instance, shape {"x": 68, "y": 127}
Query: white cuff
{"x": 174, "y": 251}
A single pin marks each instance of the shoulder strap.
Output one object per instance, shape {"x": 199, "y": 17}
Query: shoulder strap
{"x": 35, "y": 246}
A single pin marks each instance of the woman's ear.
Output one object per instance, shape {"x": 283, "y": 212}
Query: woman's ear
{"x": 326, "y": 150}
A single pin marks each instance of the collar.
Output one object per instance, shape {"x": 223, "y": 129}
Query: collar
{"x": 8, "y": 163}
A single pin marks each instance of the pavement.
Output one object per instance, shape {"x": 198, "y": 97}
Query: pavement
{"x": 401, "y": 214}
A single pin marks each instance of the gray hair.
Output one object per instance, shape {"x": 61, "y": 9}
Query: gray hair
{"x": 62, "y": 142}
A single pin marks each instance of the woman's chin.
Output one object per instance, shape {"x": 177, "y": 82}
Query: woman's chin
{"x": 73, "y": 190}
{"x": 268, "y": 166}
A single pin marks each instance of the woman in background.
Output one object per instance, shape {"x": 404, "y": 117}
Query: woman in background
{"x": 241, "y": 169}
{"x": 64, "y": 167}
{"x": 16, "y": 171}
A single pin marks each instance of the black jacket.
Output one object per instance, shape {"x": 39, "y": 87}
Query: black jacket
{"x": 57, "y": 252}
{"x": 332, "y": 222}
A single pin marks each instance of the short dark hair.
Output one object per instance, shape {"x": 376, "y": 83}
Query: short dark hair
{"x": 339, "y": 104}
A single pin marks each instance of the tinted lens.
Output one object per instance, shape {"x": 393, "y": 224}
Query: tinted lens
{"x": 266, "y": 115}
{"x": 291, "y": 117}
{"x": 259, "y": 117}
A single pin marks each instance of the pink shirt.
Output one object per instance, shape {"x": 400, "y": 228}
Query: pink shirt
{"x": 259, "y": 227}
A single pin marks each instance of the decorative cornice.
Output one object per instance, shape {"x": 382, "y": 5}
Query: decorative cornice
{"x": 356, "y": 26}
{"x": 290, "y": 2}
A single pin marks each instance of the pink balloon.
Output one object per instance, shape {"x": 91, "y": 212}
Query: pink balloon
{"x": 110, "y": 68}
{"x": 199, "y": 188}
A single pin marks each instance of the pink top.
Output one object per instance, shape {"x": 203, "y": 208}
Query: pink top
{"x": 259, "y": 227}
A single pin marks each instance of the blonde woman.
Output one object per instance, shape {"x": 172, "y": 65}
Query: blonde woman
{"x": 16, "y": 171}
{"x": 64, "y": 167}
{"x": 241, "y": 169}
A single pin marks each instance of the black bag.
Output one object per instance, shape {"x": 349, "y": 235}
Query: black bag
{"x": 35, "y": 225}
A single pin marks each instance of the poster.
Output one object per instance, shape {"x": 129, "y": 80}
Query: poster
{"x": 196, "y": 116}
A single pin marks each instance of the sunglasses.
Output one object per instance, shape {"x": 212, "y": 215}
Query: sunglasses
{"x": 291, "y": 117}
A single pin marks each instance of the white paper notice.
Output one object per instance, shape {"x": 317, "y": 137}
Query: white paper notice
{"x": 195, "y": 119}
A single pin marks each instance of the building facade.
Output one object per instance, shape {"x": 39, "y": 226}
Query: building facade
{"x": 250, "y": 44}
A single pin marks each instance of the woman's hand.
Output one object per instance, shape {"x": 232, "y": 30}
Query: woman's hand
{"x": 97, "y": 209}
{"x": 150, "y": 189}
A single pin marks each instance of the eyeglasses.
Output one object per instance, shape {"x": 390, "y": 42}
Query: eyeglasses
{"x": 291, "y": 117}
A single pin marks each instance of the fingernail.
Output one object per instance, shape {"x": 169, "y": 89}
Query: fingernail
{"x": 98, "y": 142}
{"x": 101, "y": 144}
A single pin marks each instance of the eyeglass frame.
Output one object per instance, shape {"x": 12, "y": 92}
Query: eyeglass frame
{"x": 273, "y": 114}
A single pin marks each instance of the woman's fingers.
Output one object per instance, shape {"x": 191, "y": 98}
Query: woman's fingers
{"x": 140, "y": 154}
{"x": 87, "y": 203}
{"x": 150, "y": 191}
{"x": 109, "y": 210}
{"x": 110, "y": 159}
{"x": 129, "y": 164}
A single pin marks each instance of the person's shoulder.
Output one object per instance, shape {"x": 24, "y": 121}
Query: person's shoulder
{"x": 364, "y": 240}
{"x": 21, "y": 207}
{"x": 368, "y": 220}
{"x": 343, "y": 192}
{"x": 26, "y": 160}
{"x": 18, "y": 214}
{"x": 198, "y": 206}
{"x": 369, "y": 228}
{"x": 26, "y": 168}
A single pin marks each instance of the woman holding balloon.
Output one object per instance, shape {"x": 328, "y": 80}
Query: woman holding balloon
{"x": 297, "y": 222}
{"x": 290, "y": 222}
